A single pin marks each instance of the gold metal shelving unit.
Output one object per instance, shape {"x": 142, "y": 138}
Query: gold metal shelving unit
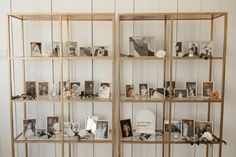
{"x": 60, "y": 100}
{"x": 168, "y": 20}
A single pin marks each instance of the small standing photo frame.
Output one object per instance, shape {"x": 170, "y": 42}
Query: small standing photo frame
{"x": 207, "y": 88}
{"x": 43, "y": 89}
{"x": 192, "y": 89}
{"x": 193, "y": 48}
{"x": 175, "y": 126}
{"x": 178, "y": 49}
{"x": 72, "y": 49}
{"x": 36, "y": 49}
{"x": 130, "y": 91}
{"x": 70, "y": 128}
{"x": 91, "y": 123}
{"x": 53, "y": 124}
{"x": 102, "y": 130}
{"x": 143, "y": 89}
{"x": 206, "y": 48}
{"x": 75, "y": 89}
{"x": 55, "y": 49}
{"x": 30, "y": 87}
{"x": 85, "y": 51}
{"x": 188, "y": 128}
{"x": 126, "y": 128}
{"x": 167, "y": 86}
{"x": 104, "y": 90}
{"x": 99, "y": 51}
{"x": 89, "y": 87}
{"x": 201, "y": 127}
{"x": 29, "y": 126}
{"x": 181, "y": 93}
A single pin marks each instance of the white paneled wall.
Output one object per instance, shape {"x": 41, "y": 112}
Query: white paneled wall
{"x": 135, "y": 72}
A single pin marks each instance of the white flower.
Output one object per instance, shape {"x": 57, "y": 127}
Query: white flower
{"x": 208, "y": 136}
{"x": 83, "y": 133}
{"x": 70, "y": 132}
{"x": 161, "y": 54}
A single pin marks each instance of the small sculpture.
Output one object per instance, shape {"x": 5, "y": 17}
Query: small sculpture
{"x": 161, "y": 54}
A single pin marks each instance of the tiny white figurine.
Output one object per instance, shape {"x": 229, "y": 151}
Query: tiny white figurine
{"x": 161, "y": 54}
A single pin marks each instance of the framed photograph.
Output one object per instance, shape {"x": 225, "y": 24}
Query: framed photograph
{"x": 46, "y": 49}
{"x": 126, "y": 128}
{"x": 206, "y": 47}
{"x": 30, "y": 87}
{"x": 91, "y": 123}
{"x": 55, "y": 49}
{"x": 104, "y": 90}
{"x": 192, "y": 88}
{"x": 29, "y": 126}
{"x": 65, "y": 87}
{"x": 150, "y": 91}
{"x": 167, "y": 86}
{"x": 178, "y": 49}
{"x": 188, "y": 128}
{"x": 36, "y": 49}
{"x": 102, "y": 131}
{"x": 53, "y": 124}
{"x": 207, "y": 88}
{"x": 193, "y": 48}
{"x": 43, "y": 89}
{"x": 141, "y": 46}
{"x": 70, "y": 128}
{"x": 89, "y": 87}
{"x": 181, "y": 93}
{"x": 75, "y": 89}
{"x": 143, "y": 89}
{"x": 202, "y": 127}
{"x": 130, "y": 91}
{"x": 100, "y": 50}
{"x": 175, "y": 126}
{"x": 85, "y": 51}
{"x": 72, "y": 49}
{"x": 161, "y": 92}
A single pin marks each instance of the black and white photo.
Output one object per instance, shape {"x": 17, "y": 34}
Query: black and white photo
{"x": 141, "y": 46}
{"x": 207, "y": 88}
{"x": 104, "y": 90}
{"x": 193, "y": 48}
{"x": 70, "y": 128}
{"x": 158, "y": 93}
{"x": 181, "y": 93}
{"x": 187, "y": 128}
{"x": 192, "y": 88}
{"x": 30, "y": 87}
{"x": 178, "y": 49}
{"x": 85, "y": 51}
{"x": 206, "y": 48}
{"x": 150, "y": 91}
{"x": 55, "y": 49}
{"x": 143, "y": 89}
{"x": 100, "y": 51}
{"x": 102, "y": 129}
{"x": 89, "y": 87}
{"x": 126, "y": 128}
{"x": 72, "y": 49}
{"x": 29, "y": 126}
{"x": 43, "y": 89}
{"x": 36, "y": 49}
{"x": 53, "y": 124}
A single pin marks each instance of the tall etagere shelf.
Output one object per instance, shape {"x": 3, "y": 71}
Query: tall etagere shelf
{"x": 63, "y": 21}
{"x": 168, "y": 21}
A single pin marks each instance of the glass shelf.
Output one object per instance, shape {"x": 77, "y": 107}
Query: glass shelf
{"x": 57, "y": 99}
{"x": 58, "y": 139}
{"x": 139, "y": 98}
